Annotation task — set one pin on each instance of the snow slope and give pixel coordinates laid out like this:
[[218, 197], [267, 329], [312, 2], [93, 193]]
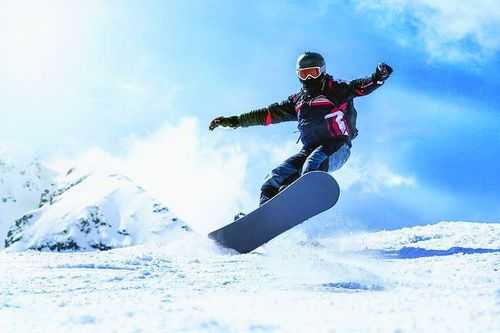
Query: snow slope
[[441, 236], [94, 211], [448, 282], [23, 187]]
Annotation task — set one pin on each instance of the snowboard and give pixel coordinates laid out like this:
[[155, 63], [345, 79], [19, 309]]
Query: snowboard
[[308, 196]]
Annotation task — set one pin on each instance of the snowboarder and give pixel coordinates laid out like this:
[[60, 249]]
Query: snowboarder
[[326, 119]]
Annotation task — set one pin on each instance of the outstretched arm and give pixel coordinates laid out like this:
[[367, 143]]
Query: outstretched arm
[[272, 114], [363, 87]]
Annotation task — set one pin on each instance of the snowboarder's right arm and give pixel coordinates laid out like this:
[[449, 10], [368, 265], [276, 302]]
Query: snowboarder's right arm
[[272, 114]]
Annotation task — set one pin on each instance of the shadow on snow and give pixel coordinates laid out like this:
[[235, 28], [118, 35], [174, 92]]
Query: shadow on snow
[[345, 287], [417, 252], [348, 285]]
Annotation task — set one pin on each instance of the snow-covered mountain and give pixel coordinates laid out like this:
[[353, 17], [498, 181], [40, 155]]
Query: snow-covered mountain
[[24, 186], [94, 211]]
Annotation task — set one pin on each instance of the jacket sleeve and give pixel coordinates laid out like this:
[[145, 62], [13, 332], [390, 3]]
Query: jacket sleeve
[[365, 86], [272, 114], [358, 87]]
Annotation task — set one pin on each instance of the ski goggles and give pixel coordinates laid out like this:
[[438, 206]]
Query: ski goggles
[[310, 72]]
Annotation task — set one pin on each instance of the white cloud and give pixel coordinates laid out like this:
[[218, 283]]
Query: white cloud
[[450, 31], [371, 176]]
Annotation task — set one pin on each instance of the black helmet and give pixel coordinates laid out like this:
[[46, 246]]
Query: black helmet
[[311, 59], [310, 76], [310, 67]]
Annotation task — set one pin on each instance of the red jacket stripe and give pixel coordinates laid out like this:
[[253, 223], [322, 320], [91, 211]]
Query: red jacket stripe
[[321, 103], [269, 118]]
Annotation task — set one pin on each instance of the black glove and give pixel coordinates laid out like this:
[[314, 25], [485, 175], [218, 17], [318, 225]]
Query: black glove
[[383, 72], [233, 122]]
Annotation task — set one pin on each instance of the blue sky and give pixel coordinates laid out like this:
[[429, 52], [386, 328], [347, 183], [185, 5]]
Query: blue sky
[[106, 75]]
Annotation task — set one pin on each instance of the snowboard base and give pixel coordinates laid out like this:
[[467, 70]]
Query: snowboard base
[[311, 194]]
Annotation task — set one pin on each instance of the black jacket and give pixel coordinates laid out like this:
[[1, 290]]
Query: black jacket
[[327, 115]]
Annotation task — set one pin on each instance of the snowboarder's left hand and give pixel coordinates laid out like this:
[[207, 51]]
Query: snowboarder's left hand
[[224, 122], [383, 72]]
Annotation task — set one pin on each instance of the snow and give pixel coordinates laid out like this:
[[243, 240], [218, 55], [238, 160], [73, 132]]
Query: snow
[[349, 283], [441, 236]]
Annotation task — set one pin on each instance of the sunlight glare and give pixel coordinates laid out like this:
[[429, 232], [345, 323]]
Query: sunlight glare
[[41, 40]]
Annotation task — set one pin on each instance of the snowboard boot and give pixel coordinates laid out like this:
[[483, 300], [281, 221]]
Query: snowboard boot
[[267, 193], [239, 216]]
